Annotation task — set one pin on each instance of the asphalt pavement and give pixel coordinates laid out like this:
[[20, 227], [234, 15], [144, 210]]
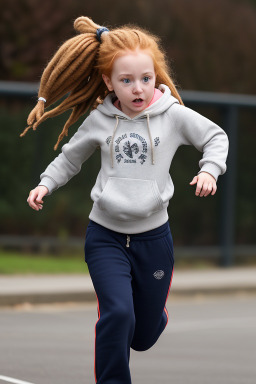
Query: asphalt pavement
[[38, 289], [207, 340]]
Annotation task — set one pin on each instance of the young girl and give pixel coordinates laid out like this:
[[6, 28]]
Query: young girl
[[138, 120]]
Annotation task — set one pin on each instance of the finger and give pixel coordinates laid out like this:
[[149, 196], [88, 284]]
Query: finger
[[31, 200], [214, 189], [198, 188], [194, 180], [40, 195], [204, 189], [39, 199], [34, 206], [208, 190], [207, 187]]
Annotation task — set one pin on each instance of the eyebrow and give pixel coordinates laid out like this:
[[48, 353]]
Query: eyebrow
[[129, 74]]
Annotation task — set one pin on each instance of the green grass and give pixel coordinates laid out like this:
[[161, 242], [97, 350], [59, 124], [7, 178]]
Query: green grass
[[36, 263], [20, 263]]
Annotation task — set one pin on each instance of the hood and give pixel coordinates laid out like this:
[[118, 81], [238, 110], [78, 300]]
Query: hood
[[159, 106]]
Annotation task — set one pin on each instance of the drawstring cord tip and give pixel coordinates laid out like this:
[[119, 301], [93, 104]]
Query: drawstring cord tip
[[128, 239]]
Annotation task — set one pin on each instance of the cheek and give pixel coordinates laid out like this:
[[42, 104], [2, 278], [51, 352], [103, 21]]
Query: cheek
[[151, 89], [123, 93]]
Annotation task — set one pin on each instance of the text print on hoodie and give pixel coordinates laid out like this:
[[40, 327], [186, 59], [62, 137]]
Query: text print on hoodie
[[133, 188]]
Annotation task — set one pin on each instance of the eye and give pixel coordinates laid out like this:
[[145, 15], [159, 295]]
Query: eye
[[125, 81], [146, 79]]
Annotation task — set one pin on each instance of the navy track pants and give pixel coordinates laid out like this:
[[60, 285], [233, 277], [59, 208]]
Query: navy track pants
[[132, 276]]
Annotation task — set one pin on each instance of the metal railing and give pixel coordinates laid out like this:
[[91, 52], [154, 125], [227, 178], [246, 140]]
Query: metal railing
[[229, 105]]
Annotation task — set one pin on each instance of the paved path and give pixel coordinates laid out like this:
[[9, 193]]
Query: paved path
[[207, 340], [15, 289]]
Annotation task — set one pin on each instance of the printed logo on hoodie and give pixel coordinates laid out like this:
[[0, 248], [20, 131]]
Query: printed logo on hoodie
[[131, 148]]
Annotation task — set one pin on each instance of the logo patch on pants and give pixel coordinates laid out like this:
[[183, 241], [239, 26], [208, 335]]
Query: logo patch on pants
[[158, 274]]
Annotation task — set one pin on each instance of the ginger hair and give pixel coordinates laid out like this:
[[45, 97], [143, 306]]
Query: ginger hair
[[76, 69]]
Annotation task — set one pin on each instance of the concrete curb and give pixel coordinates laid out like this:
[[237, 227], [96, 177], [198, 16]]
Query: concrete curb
[[49, 298], [87, 297], [46, 289]]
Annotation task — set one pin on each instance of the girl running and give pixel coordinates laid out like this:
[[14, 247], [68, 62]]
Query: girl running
[[138, 120]]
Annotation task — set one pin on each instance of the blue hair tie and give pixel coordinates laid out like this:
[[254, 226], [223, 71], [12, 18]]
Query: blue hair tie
[[100, 31]]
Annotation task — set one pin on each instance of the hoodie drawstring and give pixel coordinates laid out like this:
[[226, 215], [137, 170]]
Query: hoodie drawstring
[[112, 141], [151, 142]]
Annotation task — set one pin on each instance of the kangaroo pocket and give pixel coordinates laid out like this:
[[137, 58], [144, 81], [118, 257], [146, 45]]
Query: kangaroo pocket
[[130, 199]]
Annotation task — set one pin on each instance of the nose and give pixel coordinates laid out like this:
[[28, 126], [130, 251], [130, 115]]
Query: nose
[[137, 87]]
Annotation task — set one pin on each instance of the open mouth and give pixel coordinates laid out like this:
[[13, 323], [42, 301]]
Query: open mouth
[[137, 101]]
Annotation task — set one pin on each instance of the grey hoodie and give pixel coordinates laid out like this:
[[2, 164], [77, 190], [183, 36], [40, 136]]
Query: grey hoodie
[[133, 187]]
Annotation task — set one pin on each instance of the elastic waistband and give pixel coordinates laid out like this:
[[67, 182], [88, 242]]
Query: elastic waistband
[[156, 232]]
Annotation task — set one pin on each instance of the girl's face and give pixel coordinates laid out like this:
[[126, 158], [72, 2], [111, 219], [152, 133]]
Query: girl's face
[[133, 80]]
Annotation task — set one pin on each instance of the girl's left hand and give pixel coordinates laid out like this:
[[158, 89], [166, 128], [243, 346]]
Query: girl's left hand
[[206, 184]]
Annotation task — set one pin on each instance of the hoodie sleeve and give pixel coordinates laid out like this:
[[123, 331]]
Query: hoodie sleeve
[[194, 129], [68, 163]]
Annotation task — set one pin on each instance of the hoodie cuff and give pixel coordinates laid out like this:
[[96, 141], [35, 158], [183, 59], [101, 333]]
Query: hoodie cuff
[[48, 183], [211, 168]]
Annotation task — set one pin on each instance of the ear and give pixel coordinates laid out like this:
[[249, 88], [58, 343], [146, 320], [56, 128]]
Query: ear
[[108, 82]]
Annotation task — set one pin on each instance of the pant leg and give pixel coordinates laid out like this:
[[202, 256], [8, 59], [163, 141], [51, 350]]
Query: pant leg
[[152, 269], [110, 271]]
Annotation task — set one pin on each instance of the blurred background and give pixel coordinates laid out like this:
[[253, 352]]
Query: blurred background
[[211, 51], [210, 337]]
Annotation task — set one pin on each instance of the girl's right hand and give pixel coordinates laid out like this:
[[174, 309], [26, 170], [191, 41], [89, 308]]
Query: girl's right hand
[[35, 197]]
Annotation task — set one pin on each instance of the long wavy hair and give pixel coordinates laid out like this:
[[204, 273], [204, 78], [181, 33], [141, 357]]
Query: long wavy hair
[[76, 69]]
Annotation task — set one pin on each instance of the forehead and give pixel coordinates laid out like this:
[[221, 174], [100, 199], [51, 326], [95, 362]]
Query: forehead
[[133, 61]]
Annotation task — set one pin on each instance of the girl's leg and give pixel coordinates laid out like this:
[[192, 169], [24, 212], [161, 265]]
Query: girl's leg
[[110, 271], [152, 270]]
